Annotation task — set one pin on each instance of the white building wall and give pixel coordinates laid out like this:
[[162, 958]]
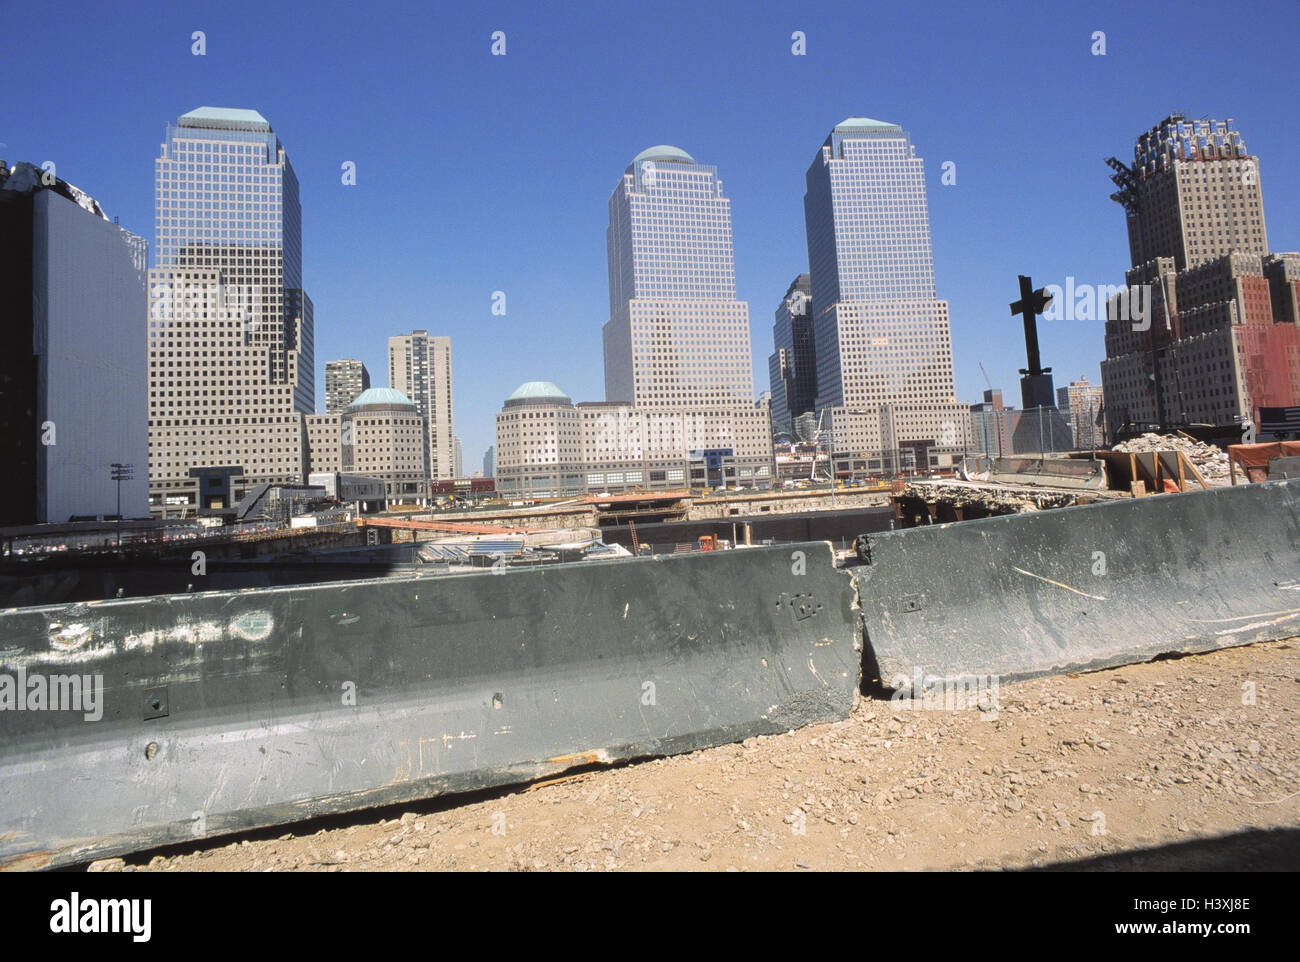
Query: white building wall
[[91, 337]]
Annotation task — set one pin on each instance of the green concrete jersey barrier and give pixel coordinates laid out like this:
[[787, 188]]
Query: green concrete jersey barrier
[[1082, 588], [223, 711]]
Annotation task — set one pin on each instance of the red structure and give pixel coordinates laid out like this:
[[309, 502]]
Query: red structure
[[473, 487]]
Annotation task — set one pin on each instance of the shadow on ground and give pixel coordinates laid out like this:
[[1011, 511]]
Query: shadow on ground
[[1254, 850]]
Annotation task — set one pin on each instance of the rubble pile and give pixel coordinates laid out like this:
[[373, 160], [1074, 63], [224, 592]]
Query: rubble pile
[[1210, 460]]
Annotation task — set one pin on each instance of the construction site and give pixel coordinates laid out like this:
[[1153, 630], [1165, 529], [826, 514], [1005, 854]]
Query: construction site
[[991, 650]]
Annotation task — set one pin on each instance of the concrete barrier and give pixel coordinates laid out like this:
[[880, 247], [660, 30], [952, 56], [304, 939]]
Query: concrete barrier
[[1082, 588], [226, 711]]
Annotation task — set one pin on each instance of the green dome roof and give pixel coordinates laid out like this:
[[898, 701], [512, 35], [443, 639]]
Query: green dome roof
[[538, 391], [664, 152], [385, 396]]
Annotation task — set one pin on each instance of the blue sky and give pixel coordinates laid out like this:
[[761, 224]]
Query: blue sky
[[479, 173]]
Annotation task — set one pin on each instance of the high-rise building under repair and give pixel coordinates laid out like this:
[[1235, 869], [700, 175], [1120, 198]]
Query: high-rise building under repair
[[420, 367], [1220, 340], [231, 365], [677, 339], [885, 392]]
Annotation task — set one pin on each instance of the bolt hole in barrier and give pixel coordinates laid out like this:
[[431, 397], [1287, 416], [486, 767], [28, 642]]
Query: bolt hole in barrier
[[195, 715], [1082, 588]]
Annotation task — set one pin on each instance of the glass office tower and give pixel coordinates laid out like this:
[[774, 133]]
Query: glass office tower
[[230, 329], [677, 340], [884, 357], [676, 336]]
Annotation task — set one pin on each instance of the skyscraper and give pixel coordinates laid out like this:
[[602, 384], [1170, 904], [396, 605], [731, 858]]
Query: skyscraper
[[344, 382], [1192, 194], [792, 367], [677, 339], [676, 336], [420, 367], [1221, 339], [883, 348], [231, 366]]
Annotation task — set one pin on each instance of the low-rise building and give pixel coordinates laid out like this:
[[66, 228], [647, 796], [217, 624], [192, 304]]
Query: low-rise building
[[381, 435], [549, 447]]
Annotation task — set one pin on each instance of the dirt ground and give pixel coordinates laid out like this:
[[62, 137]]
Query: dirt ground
[[1181, 763]]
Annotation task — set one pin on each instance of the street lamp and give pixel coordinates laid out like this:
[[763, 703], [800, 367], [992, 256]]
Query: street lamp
[[121, 472]]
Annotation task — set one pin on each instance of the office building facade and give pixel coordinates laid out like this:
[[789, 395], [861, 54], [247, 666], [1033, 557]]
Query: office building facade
[[993, 425], [1083, 408], [1221, 340], [792, 366], [73, 377], [885, 394], [547, 446], [677, 339], [231, 350], [382, 436]]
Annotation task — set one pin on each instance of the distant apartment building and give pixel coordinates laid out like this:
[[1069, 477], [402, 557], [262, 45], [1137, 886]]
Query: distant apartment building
[[231, 350], [344, 382], [1081, 405], [885, 395], [459, 458], [73, 377], [1222, 339], [677, 339], [382, 436], [420, 367], [490, 462], [993, 425], [549, 447], [792, 366]]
